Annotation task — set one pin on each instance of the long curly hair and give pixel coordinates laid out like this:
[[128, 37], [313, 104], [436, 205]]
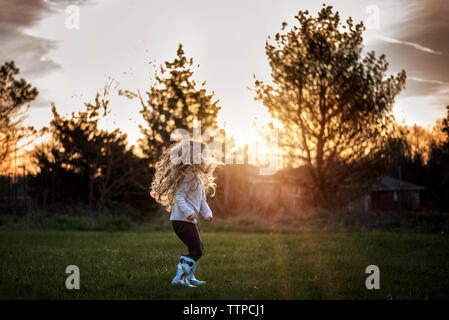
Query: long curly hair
[[187, 157]]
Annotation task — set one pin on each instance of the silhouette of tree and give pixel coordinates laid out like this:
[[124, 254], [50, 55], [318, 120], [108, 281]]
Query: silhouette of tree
[[86, 163], [438, 169], [437, 176], [334, 105], [445, 131], [174, 101], [13, 95]]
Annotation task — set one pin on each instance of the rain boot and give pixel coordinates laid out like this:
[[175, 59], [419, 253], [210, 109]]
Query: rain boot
[[191, 276], [185, 265]]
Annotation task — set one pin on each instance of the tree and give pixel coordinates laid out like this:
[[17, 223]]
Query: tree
[[88, 164], [13, 95], [174, 101], [445, 131], [438, 168], [419, 140], [334, 105]]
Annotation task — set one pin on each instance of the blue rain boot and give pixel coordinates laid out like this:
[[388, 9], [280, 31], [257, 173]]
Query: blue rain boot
[[191, 276], [185, 265]]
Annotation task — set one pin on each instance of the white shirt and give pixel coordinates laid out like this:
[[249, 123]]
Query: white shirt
[[190, 199]]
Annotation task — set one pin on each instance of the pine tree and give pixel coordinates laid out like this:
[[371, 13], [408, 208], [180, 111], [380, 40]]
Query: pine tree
[[174, 101]]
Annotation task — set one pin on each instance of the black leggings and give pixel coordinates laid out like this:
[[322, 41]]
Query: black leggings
[[188, 233]]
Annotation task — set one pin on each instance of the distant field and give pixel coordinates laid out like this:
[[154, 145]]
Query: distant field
[[141, 264]]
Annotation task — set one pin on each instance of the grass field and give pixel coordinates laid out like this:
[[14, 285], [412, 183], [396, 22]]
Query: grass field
[[141, 264]]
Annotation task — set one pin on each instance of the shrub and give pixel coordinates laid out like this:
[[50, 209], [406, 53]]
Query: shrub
[[6, 219], [65, 222], [119, 223]]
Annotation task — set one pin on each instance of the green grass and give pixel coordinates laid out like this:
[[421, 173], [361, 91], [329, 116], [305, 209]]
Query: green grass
[[141, 264]]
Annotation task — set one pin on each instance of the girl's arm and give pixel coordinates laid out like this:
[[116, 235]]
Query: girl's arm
[[205, 210]]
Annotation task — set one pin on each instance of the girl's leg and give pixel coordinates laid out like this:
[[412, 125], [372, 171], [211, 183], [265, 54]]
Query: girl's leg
[[188, 233]]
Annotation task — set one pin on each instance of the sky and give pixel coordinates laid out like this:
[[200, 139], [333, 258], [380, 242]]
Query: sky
[[117, 39]]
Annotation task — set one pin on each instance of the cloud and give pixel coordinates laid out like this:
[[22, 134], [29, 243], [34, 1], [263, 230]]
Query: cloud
[[417, 40], [28, 51], [428, 81], [408, 43], [427, 24], [19, 14], [424, 26]]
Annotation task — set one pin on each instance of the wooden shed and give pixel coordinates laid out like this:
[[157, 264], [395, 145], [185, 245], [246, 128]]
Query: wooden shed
[[392, 194]]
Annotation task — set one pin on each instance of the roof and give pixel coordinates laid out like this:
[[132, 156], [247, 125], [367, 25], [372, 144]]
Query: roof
[[291, 176], [391, 184]]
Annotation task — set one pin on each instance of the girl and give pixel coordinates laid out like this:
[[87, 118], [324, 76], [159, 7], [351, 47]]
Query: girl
[[183, 177]]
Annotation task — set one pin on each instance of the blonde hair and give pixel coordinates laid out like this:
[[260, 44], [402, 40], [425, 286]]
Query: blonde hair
[[178, 161]]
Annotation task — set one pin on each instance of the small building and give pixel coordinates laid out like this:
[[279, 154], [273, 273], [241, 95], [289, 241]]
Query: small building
[[283, 190], [393, 194]]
